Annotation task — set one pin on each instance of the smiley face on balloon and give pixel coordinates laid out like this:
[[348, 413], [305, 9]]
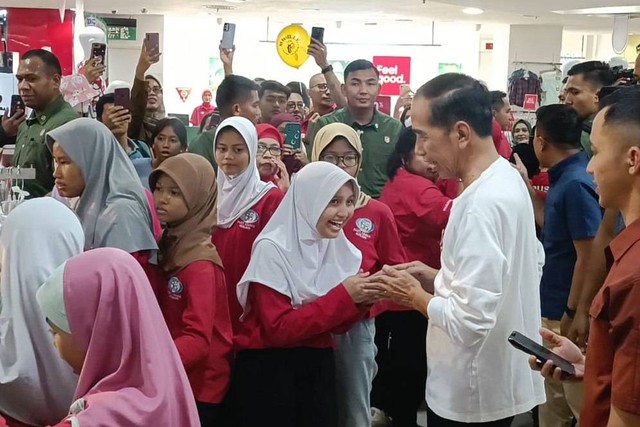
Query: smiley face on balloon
[[292, 45]]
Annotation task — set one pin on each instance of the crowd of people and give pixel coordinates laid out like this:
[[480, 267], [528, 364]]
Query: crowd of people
[[237, 280]]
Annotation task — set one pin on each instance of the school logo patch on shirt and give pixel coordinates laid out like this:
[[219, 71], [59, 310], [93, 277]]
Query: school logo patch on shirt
[[364, 228], [175, 288], [249, 219]]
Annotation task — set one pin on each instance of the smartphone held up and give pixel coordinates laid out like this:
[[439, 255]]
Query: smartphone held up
[[152, 43], [317, 33], [16, 104], [99, 53], [228, 36], [293, 135]]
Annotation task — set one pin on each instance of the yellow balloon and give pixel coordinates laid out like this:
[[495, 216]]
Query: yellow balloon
[[292, 45]]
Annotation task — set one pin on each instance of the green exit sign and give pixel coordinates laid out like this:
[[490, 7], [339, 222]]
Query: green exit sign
[[121, 33]]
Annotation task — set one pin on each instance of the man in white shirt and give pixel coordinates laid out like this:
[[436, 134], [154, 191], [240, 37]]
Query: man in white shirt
[[488, 285]]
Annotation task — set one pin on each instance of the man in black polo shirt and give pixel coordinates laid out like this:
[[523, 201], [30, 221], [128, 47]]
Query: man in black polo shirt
[[378, 131]]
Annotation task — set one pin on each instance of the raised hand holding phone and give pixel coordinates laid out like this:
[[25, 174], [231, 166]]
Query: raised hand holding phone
[[14, 117], [149, 55]]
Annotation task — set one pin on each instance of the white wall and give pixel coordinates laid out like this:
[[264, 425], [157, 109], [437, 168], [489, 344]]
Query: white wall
[[534, 43], [190, 41], [494, 64]]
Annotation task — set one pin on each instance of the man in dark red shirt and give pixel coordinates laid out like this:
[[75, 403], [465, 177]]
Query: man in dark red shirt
[[611, 367]]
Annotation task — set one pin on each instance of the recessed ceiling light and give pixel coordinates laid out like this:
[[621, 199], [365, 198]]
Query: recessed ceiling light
[[472, 11]]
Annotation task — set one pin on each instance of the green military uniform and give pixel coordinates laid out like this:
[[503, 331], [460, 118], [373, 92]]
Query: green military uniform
[[585, 138], [378, 138], [31, 150], [203, 145]]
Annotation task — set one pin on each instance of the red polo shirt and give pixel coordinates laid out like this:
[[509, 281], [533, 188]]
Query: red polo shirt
[[540, 183], [612, 372], [373, 230], [421, 212], [500, 141], [194, 305], [234, 245], [272, 322]]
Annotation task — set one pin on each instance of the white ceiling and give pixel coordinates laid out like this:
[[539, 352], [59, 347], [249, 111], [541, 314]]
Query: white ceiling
[[533, 12]]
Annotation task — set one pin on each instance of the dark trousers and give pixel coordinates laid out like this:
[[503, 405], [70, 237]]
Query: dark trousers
[[434, 420], [285, 388], [210, 414], [399, 386]]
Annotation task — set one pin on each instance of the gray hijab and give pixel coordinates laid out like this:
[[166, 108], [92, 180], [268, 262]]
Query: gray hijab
[[113, 209]]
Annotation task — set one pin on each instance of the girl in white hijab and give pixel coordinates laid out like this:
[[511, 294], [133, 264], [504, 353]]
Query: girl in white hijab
[[36, 386], [112, 206], [245, 203], [302, 284]]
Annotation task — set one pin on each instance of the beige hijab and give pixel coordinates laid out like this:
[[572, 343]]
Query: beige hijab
[[327, 135], [190, 240]]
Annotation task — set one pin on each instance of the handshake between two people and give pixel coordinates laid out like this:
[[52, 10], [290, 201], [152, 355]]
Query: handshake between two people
[[409, 285]]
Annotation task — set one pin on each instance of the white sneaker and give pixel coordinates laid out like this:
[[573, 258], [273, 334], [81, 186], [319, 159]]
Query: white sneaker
[[379, 418]]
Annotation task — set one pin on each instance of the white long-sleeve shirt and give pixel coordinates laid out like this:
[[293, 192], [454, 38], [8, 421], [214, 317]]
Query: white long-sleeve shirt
[[488, 286]]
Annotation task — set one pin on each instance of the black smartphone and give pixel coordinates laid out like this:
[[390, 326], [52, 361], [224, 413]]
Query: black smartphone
[[99, 51], [317, 33], [228, 35], [292, 135], [532, 348], [122, 97], [16, 104], [152, 41]]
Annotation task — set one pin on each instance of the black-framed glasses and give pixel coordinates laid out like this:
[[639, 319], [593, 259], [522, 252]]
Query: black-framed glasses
[[155, 89], [322, 87], [292, 106], [274, 151], [348, 160]]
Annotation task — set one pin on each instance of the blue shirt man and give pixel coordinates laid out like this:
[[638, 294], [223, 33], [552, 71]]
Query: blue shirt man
[[572, 213]]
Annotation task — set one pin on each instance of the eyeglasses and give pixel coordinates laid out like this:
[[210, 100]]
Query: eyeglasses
[[348, 160], [276, 100], [322, 87], [155, 89], [274, 151], [292, 106]]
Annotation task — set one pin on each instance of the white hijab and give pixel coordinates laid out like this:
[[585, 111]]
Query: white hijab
[[289, 255], [237, 194], [36, 385]]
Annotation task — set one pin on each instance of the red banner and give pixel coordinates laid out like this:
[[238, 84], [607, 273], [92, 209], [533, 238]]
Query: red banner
[[394, 72], [37, 28], [384, 104]]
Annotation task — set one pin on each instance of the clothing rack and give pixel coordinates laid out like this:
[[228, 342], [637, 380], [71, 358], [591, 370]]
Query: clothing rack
[[537, 63]]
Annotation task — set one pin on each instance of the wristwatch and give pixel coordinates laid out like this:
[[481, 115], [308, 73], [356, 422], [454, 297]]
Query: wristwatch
[[570, 313], [326, 69]]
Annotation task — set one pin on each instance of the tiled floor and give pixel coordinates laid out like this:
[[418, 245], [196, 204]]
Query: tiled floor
[[520, 421]]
